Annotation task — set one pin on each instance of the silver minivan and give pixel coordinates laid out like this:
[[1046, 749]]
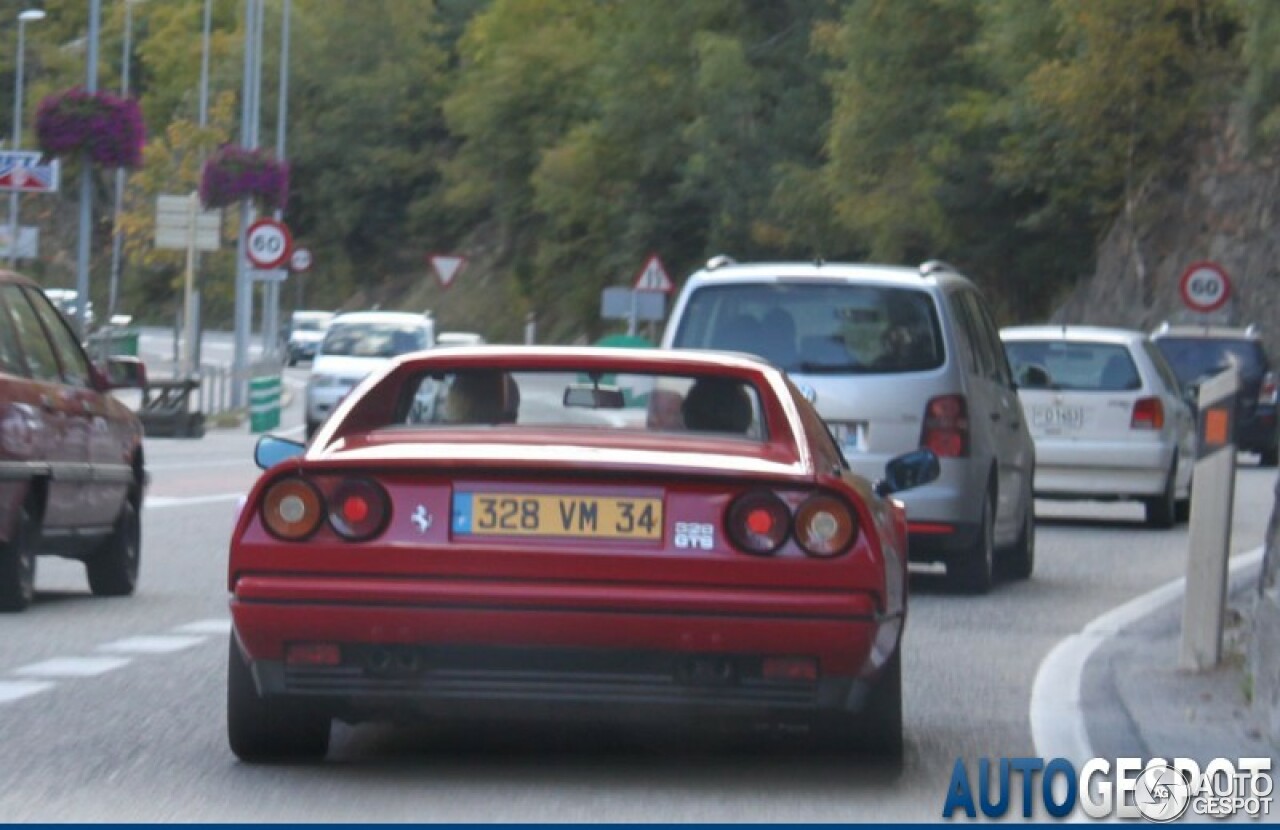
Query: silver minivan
[[894, 358]]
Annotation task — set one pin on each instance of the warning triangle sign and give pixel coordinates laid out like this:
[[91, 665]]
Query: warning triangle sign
[[653, 277], [447, 267]]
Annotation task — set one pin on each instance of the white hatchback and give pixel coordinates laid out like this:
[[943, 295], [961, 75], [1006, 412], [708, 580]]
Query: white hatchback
[[1107, 415], [355, 345]]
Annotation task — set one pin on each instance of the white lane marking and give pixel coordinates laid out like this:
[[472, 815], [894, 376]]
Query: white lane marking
[[220, 626], [11, 690], [72, 667], [1058, 727], [151, 644], [188, 501]]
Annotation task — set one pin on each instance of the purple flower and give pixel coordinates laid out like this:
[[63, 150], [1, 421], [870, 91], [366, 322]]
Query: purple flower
[[104, 127], [233, 173]]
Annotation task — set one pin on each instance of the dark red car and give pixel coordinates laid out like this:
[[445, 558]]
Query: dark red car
[[71, 468], [624, 534]]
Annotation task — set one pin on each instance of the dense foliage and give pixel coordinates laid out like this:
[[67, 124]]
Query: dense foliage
[[557, 142]]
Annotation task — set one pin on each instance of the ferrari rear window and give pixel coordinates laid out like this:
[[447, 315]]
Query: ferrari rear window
[[711, 404]]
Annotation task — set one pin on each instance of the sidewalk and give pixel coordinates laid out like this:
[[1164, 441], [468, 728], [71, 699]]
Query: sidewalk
[[1138, 703]]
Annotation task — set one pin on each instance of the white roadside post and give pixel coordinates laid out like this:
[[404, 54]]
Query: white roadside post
[[182, 226], [1210, 533]]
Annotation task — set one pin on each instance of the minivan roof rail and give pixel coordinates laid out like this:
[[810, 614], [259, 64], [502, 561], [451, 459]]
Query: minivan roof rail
[[720, 261], [933, 266]]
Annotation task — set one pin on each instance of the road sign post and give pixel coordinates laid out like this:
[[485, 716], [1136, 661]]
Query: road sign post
[[180, 224], [653, 278]]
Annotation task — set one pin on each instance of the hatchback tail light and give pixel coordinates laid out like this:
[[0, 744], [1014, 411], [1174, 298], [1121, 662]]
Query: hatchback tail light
[[1270, 391], [758, 522], [358, 508], [1148, 413], [946, 426], [292, 509]]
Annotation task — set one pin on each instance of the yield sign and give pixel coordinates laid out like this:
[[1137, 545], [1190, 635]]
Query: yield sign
[[653, 277], [447, 267]]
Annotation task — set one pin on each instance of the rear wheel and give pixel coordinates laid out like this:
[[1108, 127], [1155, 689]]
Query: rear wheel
[[113, 567], [877, 729], [1020, 560], [971, 570], [1162, 511], [18, 565], [261, 729]]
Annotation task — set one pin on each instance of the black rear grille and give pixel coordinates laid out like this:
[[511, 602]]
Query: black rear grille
[[548, 675]]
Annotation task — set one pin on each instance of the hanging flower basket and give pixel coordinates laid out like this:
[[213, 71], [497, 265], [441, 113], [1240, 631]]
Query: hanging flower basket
[[102, 127], [233, 173]]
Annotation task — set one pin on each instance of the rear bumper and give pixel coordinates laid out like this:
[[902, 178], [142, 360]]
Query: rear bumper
[[441, 647], [1259, 433], [1079, 469]]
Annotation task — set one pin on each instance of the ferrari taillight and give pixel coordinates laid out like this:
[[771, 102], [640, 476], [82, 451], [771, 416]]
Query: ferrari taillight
[[292, 509], [824, 526], [758, 522], [358, 508]]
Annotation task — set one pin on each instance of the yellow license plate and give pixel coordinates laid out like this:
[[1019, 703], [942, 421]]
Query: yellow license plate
[[586, 517]]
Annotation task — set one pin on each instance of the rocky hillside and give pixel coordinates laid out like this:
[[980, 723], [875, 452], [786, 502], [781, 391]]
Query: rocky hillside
[[1226, 210]]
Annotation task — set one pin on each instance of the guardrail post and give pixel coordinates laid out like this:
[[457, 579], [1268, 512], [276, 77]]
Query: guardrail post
[[1205, 599]]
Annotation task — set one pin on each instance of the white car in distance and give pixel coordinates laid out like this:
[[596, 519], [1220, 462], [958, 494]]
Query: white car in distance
[[355, 345], [1107, 416]]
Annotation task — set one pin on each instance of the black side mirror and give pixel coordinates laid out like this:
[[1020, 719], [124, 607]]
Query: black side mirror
[[124, 372], [913, 469], [271, 450]]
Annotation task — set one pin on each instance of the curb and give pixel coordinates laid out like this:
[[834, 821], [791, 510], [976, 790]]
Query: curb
[[1058, 727]]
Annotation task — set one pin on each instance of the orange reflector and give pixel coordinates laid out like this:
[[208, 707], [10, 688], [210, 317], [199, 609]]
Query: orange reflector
[[1216, 422], [789, 668], [312, 654]]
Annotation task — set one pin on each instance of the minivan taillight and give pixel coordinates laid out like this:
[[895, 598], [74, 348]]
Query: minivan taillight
[[946, 426], [1148, 413], [1270, 391]]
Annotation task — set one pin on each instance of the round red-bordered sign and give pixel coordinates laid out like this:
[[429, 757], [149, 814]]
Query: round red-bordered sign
[[268, 244], [1204, 287]]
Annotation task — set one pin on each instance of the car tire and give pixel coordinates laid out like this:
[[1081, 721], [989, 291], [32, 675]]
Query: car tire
[[113, 567], [1162, 511], [1019, 561], [971, 571], [1269, 458], [293, 361], [260, 729], [875, 730], [18, 565]]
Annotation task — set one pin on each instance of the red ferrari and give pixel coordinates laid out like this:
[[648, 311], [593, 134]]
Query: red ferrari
[[568, 532]]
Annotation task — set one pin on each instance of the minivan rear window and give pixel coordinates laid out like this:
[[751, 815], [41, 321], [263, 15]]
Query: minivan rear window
[[1194, 358], [827, 328], [1089, 367]]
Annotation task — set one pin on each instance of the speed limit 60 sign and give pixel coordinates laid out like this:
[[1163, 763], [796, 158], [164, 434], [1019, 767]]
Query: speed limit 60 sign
[[1205, 287], [268, 243]]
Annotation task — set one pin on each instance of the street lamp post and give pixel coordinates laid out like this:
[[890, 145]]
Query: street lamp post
[[85, 235], [25, 17], [117, 238]]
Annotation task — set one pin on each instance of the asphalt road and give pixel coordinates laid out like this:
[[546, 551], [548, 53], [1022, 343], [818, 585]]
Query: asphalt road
[[113, 710]]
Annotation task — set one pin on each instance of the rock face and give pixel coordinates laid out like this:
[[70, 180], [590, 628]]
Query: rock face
[[1227, 210]]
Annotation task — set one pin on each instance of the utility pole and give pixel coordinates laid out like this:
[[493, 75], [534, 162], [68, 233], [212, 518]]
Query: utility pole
[[86, 179], [248, 140], [271, 326], [117, 238]]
